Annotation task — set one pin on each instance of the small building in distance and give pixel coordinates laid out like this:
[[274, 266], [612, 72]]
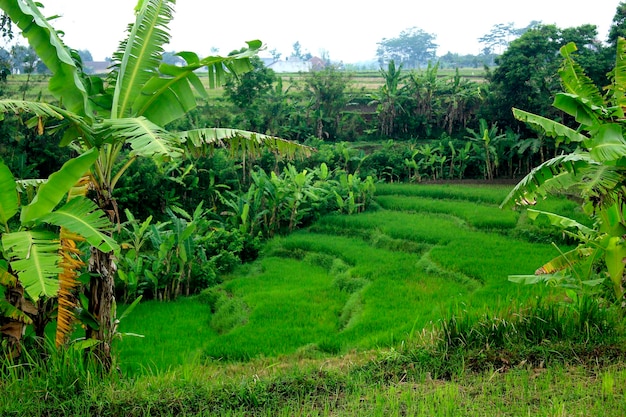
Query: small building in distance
[[294, 64], [97, 67]]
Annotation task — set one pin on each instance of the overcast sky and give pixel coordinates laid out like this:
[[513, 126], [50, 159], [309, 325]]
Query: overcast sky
[[347, 29]]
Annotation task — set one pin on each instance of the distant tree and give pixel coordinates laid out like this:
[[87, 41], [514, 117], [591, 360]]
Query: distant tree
[[388, 98], [5, 60], [527, 75], [297, 49], [299, 53], [325, 90], [499, 38], [501, 35], [246, 88], [412, 48], [85, 55], [325, 56], [24, 59], [618, 27], [275, 54], [247, 92], [451, 60]]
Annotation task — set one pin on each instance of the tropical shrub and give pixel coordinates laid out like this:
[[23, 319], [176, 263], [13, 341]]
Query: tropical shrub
[[127, 110], [281, 203], [180, 256]]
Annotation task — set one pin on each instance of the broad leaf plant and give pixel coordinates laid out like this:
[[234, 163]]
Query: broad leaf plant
[[127, 110], [39, 256], [595, 172]]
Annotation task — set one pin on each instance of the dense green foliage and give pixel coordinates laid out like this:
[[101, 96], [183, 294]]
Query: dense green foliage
[[314, 259], [111, 123], [189, 249]]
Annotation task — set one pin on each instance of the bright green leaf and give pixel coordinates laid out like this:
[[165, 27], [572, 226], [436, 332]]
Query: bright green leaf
[[9, 203], [52, 192]]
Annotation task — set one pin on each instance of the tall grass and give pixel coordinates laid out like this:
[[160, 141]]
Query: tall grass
[[384, 383]]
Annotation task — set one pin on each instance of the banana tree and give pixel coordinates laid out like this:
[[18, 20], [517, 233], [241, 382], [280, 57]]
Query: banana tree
[[485, 142], [128, 110], [596, 170], [389, 98], [131, 263], [39, 258]]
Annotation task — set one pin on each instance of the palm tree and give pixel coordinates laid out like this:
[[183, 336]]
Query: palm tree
[[128, 110]]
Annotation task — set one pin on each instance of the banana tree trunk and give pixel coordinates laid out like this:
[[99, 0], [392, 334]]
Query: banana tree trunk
[[101, 296], [13, 330], [101, 292]]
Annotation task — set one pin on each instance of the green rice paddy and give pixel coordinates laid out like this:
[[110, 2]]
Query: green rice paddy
[[366, 281]]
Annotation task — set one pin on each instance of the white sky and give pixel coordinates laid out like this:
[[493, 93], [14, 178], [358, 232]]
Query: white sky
[[347, 29]]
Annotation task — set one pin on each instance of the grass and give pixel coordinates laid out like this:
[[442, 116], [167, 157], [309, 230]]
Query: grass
[[362, 282], [173, 333], [383, 383], [482, 216], [405, 310], [491, 194]]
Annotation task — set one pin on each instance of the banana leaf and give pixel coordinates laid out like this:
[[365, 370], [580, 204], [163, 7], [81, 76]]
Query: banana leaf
[[550, 127], [34, 258], [140, 54], [576, 82], [50, 194], [144, 137], [558, 173], [65, 83], [560, 221], [204, 141], [171, 93], [9, 202], [83, 217]]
